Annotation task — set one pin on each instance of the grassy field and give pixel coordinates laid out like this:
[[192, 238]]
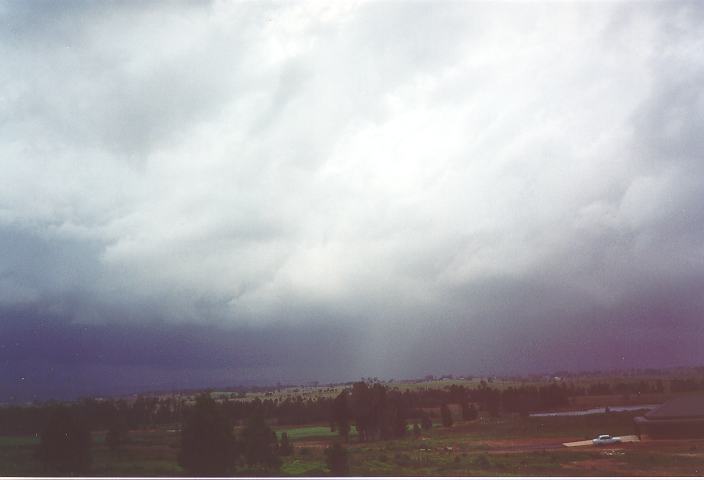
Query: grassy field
[[506, 446], [308, 432], [6, 442]]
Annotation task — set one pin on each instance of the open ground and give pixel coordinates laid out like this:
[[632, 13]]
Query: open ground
[[505, 446]]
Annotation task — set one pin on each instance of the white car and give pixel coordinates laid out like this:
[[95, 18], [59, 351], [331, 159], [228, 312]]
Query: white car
[[606, 440]]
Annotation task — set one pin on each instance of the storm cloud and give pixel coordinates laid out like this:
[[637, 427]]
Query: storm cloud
[[203, 193]]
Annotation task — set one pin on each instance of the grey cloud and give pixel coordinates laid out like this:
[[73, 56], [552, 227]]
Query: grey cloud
[[426, 186]]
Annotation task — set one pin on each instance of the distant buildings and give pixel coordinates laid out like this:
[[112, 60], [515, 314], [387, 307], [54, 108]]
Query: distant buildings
[[679, 417]]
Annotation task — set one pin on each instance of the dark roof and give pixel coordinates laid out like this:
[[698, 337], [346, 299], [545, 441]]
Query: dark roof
[[678, 407]]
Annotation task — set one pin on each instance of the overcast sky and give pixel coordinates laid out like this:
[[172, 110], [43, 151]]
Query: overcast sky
[[208, 193]]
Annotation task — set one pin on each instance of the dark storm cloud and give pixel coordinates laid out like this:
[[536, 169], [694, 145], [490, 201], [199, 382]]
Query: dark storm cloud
[[40, 349], [201, 190], [37, 335]]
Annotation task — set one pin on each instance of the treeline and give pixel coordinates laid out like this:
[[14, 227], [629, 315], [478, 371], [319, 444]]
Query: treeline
[[686, 385], [379, 413], [146, 412], [289, 411], [96, 414], [209, 445], [676, 385], [619, 388]]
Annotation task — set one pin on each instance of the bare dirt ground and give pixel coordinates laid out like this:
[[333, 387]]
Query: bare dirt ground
[[612, 459]]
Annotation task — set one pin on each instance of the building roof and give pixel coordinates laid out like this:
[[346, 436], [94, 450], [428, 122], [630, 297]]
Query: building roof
[[679, 407]]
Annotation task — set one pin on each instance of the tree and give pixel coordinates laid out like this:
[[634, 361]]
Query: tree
[[285, 446], [336, 459], [523, 407], [425, 422], [400, 426], [116, 436], [469, 412], [341, 414], [494, 408], [492, 400], [117, 429], [64, 447], [362, 407], [446, 415], [259, 444], [207, 443], [376, 413]]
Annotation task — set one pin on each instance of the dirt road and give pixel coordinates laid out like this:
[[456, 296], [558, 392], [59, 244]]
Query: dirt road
[[588, 443]]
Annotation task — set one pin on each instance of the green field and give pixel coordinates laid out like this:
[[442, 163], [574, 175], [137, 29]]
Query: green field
[[311, 431], [6, 441]]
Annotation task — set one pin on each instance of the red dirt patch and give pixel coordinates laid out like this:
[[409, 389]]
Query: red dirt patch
[[521, 442]]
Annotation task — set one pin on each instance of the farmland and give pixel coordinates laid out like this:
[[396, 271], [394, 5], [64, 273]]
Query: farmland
[[500, 438], [504, 446]]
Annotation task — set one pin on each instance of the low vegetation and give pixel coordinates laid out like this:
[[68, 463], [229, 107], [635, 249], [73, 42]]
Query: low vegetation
[[367, 428]]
